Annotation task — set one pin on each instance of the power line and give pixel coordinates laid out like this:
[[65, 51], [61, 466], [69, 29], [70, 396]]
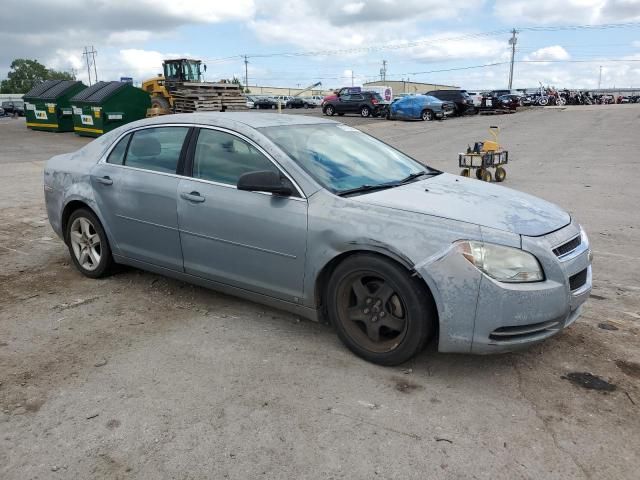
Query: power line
[[602, 26]]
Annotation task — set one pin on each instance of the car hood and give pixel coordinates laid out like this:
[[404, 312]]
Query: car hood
[[473, 201]]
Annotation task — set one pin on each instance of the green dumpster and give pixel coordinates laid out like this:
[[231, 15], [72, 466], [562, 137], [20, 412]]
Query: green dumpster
[[47, 107], [107, 105]]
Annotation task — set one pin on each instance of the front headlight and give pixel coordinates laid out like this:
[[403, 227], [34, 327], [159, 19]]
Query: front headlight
[[505, 264]]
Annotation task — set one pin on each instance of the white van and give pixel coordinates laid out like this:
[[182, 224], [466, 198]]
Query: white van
[[385, 92]]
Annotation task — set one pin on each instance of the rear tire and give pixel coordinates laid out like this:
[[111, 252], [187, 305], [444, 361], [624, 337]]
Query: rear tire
[[426, 115], [88, 244], [365, 111], [465, 172], [380, 312], [500, 175]]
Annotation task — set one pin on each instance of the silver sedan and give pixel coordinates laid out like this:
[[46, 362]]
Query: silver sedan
[[318, 218]]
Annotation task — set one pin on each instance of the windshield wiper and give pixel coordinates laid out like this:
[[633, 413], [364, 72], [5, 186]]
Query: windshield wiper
[[366, 188], [413, 176]]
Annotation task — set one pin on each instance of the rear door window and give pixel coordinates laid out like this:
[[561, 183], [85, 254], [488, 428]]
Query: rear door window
[[157, 149], [117, 154]]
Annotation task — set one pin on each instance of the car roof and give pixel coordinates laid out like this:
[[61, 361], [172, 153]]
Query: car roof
[[235, 119]]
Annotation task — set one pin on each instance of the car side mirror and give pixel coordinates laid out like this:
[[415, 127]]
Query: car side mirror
[[265, 181]]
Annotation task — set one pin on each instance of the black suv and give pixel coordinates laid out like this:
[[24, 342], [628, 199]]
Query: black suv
[[15, 107], [462, 101], [364, 103]]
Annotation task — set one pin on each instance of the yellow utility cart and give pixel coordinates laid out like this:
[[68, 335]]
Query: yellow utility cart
[[483, 156]]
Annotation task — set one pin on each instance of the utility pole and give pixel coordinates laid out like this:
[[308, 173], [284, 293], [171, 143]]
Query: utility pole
[[352, 78], [512, 41], [246, 72], [600, 78], [383, 71], [91, 62]]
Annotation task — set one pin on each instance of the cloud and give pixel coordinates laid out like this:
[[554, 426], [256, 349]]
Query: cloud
[[554, 52], [544, 12]]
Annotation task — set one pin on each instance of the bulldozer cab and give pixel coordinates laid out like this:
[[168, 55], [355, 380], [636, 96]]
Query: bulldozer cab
[[182, 70]]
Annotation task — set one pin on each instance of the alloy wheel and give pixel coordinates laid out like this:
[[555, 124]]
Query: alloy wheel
[[86, 243]]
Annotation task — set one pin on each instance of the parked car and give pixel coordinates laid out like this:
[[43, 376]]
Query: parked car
[[463, 102], [318, 218], [477, 98], [13, 107], [419, 107], [315, 99], [365, 103], [282, 99], [250, 102], [510, 101], [265, 102], [299, 102], [2, 114], [342, 91]]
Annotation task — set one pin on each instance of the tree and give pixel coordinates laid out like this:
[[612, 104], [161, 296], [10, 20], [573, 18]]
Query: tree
[[26, 73]]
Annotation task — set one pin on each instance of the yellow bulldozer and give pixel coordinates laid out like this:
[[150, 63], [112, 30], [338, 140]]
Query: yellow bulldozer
[[181, 89]]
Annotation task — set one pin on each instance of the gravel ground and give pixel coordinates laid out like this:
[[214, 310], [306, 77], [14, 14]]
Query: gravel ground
[[139, 376]]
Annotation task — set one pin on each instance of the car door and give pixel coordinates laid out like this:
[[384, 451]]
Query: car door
[[251, 240], [355, 101], [342, 104], [135, 189]]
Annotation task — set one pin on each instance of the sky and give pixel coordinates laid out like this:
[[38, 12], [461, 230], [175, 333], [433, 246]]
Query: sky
[[296, 43]]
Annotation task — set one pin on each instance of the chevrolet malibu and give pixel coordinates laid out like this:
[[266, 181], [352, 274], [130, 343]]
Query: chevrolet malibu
[[320, 219]]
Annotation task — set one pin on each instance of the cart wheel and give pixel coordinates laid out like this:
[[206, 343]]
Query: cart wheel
[[501, 174], [479, 172], [486, 176], [465, 172]]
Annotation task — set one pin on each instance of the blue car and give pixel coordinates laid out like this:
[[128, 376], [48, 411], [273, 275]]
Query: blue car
[[418, 107]]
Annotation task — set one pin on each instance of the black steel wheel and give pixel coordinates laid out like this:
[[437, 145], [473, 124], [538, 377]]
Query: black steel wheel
[[380, 312], [501, 174], [479, 173], [88, 244]]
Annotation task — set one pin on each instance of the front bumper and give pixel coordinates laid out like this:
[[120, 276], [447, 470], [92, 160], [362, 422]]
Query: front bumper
[[481, 315]]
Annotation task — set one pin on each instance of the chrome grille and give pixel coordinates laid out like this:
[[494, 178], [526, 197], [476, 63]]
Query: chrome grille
[[568, 247]]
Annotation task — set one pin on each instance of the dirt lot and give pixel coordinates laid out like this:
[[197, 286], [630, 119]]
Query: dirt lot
[[138, 376]]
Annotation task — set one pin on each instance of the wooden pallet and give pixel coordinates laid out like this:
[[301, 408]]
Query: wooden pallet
[[212, 97]]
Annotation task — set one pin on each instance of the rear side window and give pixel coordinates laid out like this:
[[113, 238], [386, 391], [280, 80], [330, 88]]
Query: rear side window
[[156, 149], [222, 157], [117, 154]]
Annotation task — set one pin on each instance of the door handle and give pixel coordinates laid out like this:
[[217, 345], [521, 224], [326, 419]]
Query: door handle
[[192, 197], [106, 180]]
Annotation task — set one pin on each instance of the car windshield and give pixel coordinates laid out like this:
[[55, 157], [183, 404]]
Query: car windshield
[[342, 158]]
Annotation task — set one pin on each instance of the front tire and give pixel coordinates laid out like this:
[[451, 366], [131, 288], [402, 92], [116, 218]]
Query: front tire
[[329, 110], [160, 102], [88, 244], [380, 312]]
